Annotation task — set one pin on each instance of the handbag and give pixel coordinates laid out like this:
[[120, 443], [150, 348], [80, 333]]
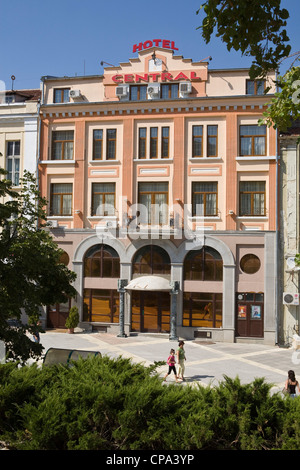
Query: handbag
[[286, 391]]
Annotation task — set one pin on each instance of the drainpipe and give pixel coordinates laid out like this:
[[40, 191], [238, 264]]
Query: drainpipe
[[39, 140], [277, 239]]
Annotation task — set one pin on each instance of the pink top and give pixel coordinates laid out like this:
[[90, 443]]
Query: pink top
[[171, 360]]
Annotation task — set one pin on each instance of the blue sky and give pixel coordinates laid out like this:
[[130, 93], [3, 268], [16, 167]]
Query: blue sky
[[70, 37]]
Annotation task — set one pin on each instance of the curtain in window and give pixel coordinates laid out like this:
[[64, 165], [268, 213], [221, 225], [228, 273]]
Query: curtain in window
[[62, 199], [161, 209], [259, 145], [103, 199]]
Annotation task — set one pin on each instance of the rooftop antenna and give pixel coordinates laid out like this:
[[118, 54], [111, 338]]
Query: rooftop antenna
[[12, 81]]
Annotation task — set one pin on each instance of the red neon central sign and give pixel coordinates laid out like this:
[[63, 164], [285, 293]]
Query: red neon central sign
[[164, 43], [154, 77]]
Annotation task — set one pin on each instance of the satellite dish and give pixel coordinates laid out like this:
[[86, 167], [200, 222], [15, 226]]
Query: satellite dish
[[291, 262]]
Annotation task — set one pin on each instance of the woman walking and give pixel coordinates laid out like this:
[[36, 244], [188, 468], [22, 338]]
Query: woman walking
[[180, 359]]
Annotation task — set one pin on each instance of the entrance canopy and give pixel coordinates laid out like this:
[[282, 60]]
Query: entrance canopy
[[156, 283]]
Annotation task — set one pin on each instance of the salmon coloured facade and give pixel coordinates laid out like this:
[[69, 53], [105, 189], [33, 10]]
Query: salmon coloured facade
[[162, 194]]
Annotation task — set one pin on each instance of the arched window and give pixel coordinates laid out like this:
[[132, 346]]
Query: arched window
[[101, 261], [151, 259], [203, 265]]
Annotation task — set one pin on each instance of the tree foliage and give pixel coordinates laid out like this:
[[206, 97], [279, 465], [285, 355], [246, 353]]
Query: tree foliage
[[111, 404], [31, 275], [284, 108], [258, 29], [255, 28]]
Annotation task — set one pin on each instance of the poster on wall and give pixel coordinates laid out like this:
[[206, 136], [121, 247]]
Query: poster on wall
[[255, 312], [242, 309]]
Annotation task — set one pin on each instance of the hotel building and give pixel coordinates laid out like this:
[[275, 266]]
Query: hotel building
[[162, 194]]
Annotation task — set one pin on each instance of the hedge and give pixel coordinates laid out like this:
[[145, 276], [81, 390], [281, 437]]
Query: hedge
[[112, 404]]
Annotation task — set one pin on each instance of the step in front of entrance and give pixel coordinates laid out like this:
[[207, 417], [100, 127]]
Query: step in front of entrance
[[249, 340]]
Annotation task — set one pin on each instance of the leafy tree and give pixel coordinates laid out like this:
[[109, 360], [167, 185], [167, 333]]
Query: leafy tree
[[31, 275], [257, 29], [284, 107]]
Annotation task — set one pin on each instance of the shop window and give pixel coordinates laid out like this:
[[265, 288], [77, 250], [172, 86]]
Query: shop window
[[203, 265], [101, 305], [252, 198], [151, 260], [101, 261], [202, 310], [250, 264]]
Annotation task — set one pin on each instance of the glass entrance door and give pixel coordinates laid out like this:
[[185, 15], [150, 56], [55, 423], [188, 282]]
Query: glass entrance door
[[150, 311]]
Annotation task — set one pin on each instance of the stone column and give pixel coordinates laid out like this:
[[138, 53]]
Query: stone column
[[122, 283], [173, 319]]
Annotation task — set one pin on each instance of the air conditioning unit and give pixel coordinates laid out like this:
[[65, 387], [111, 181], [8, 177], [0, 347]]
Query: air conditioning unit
[[75, 93], [290, 298], [153, 89], [122, 90], [185, 87], [53, 223]]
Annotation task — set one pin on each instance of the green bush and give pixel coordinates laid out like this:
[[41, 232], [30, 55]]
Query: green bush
[[113, 404]]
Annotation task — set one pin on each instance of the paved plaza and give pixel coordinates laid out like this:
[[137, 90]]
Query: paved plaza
[[206, 363]]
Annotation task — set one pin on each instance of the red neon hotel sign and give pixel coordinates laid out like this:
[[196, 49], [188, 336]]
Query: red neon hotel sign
[[164, 43], [154, 76]]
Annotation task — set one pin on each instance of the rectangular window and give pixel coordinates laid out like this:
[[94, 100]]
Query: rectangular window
[[204, 199], [61, 199], [111, 144], [101, 305], [202, 310], [212, 141], [197, 144], [62, 145], [103, 199], [165, 132], [255, 87], [142, 142], [97, 144], [169, 91], [61, 95], [153, 142], [252, 198], [252, 140], [13, 161], [154, 199], [138, 92]]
